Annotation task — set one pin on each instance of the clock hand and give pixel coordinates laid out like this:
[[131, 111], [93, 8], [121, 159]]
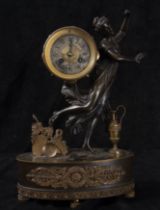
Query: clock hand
[[70, 47]]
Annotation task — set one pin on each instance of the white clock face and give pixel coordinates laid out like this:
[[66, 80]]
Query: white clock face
[[70, 54]]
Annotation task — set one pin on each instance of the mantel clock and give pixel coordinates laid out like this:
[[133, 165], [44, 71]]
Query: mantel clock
[[54, 171]]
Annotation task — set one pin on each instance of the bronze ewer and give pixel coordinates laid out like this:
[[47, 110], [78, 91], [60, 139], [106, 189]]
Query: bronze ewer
[[115, 127]]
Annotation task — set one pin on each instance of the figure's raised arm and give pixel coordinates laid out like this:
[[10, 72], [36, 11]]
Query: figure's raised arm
[[114, 52], [124, 26], [118, 57]]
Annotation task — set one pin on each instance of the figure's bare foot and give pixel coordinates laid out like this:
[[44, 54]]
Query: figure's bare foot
[[87, 146]]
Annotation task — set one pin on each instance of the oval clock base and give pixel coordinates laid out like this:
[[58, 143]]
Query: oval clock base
[[79, 175]]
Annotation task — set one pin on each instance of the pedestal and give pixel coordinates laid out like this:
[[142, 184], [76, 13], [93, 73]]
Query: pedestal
[[79, 175]]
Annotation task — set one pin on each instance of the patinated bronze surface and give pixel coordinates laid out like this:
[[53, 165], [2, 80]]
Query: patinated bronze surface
[[115, 127], [92, 106], [78, 175], [53, 170], [44, 143]]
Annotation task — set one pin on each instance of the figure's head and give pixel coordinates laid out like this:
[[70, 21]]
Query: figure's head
[[102, 23]]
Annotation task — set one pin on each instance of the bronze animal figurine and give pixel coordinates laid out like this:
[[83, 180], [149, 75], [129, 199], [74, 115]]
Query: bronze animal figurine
[[40, 136], [44, 143]]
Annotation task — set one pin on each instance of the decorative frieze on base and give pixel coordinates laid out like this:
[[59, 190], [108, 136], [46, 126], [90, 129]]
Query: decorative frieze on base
[[25, 192]]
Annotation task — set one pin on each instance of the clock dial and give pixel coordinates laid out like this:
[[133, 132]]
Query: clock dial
[[70, 54]]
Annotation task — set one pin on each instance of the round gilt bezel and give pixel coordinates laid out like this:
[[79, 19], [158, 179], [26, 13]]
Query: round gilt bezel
[[70, 30]]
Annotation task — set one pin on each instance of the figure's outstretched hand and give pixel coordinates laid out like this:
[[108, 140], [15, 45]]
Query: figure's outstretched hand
[[127, 12], [138, 58]]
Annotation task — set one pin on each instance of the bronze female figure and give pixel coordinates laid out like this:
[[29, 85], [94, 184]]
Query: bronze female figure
[[90, 107]]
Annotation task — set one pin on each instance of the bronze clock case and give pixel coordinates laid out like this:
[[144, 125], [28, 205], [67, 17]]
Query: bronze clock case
[[88, 47]]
